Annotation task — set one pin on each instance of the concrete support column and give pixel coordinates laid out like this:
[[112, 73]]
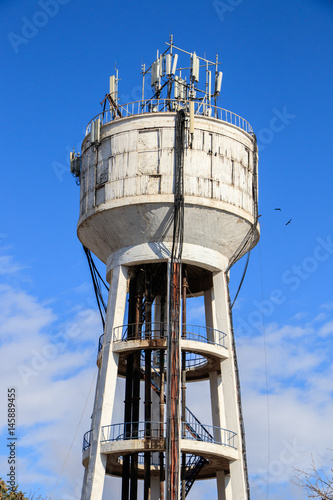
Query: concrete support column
[[216, 392], [224, 397], [221, 485], [105, 392]]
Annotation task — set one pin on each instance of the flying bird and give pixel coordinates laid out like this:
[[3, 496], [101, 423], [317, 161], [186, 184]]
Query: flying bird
[[289, 221], [277, 209]]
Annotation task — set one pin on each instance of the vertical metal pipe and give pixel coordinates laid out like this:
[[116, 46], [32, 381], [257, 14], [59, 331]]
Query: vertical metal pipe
[[183, 354], [143, 83], [162, 404], [162, 389], [173, 384]]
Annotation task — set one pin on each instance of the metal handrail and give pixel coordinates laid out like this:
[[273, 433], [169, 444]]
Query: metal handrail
[[192, 419], [87, 440], [194, 360], [140, 331], [208, 434], [131, 430], [212, 336], [139, 430], [100, 342], [151, 331], [171, 105]]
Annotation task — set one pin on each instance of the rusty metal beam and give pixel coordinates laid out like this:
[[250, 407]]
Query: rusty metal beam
[[183, 388], [173, 384], [162, 385], [162, 405]]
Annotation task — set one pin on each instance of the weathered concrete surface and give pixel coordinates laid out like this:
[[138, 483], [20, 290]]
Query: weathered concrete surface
[[127, 185]]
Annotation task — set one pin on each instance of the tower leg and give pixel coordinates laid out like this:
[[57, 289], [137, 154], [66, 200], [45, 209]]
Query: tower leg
[[221, 485], [224, 390], [94, 479]]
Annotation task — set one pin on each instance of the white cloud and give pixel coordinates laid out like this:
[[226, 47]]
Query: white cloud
[[326, 329], [51, 364], [327, 306], [300, 315], [21, 314], [320, 317], [8, 266], [293, 421]]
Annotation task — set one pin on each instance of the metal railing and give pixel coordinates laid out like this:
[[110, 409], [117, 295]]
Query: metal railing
[[192, 428], [141, 430], [192, 422], [204, 334], [140, 331], [152, 331], [131, 430], [87, 440], [194, 360], [100, 342], [208, 434], [171, 105]]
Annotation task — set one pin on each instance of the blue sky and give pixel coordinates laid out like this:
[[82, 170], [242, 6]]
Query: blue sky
[[277, 63]]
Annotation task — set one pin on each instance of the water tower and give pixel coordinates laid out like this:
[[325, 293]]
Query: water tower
[[169, 204]]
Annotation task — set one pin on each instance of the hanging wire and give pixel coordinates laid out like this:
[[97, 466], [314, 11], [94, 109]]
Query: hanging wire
[[97, 282], [266, 376], [250, 235], [239, 399], [243, 276]]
